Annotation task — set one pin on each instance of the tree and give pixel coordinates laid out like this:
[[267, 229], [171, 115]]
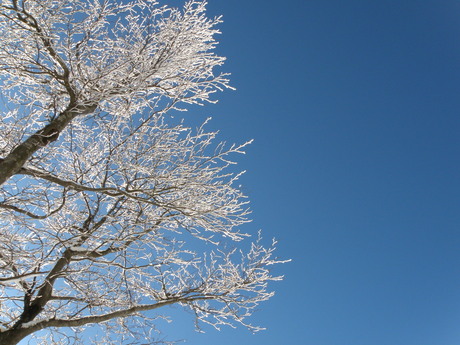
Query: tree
[[103, 195]]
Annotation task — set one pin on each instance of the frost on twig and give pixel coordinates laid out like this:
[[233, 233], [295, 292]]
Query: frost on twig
[[104, 202]]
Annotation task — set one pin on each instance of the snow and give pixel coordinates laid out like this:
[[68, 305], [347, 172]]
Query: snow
[[78, 249], [31, 323]]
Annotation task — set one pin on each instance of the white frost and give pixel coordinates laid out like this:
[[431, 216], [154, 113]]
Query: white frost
[[78, 249], [31, 323]]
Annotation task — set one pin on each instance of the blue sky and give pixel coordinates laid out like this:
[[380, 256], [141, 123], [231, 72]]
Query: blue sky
[[354, 108]]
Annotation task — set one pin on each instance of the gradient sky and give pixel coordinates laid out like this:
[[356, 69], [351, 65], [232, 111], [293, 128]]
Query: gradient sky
[[354, 108]]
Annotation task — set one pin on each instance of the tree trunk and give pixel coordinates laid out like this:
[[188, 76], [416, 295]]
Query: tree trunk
[[14, 336]]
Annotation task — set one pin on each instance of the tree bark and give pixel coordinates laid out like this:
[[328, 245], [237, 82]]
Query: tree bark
[[14, 336], [21, 154]]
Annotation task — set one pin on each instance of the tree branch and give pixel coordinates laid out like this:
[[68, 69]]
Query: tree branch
[[109, 316], [16, 159], [21, 276], [110, 191]]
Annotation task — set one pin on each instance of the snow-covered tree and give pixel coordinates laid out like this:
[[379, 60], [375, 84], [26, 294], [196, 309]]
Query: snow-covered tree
[[104, 199]]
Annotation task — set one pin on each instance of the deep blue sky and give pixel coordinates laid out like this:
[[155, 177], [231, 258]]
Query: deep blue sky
[[354, 108]]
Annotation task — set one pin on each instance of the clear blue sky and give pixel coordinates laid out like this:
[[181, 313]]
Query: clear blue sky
[[354, 108]]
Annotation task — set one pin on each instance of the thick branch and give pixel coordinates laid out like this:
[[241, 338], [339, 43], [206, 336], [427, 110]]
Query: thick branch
[[13, 336], [19, 156], [32, 309], [109, 316]]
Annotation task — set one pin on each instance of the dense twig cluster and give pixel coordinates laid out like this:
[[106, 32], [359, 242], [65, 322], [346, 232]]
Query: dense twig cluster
[[100, 197]]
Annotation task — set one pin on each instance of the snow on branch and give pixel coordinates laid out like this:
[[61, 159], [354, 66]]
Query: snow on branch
[[109, 207]]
